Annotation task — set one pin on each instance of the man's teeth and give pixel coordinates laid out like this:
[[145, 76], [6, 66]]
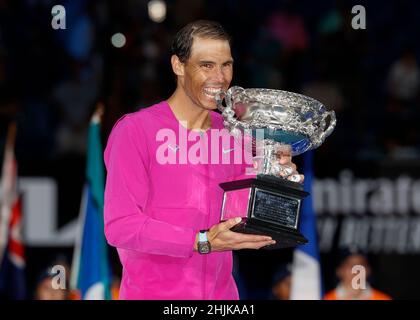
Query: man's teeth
[[212, 91]]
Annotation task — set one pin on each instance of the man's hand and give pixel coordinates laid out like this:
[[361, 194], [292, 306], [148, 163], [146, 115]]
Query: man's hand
[[222, 239], [220, 236], [285, 159]]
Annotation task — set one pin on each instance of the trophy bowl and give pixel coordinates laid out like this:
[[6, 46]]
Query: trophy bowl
[[270, 121]]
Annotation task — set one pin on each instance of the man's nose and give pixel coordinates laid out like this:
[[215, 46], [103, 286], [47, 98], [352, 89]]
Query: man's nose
[[219, 75]]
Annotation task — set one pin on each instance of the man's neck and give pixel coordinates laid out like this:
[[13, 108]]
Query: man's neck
[[347, 291], [184, 110]]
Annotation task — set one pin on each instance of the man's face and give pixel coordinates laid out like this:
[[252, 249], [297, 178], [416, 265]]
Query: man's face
[[208, 71], [282, 289], [345, 273], [45, 291]]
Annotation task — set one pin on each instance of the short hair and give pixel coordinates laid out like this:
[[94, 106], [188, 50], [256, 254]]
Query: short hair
[[183, 40]]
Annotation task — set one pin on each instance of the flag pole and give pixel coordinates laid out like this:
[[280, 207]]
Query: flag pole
[[75, 267], [79, 247], [98, 113], [11, 135], [8, 184]]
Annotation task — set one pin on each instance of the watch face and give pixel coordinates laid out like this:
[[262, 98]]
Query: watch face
[[204, 247]]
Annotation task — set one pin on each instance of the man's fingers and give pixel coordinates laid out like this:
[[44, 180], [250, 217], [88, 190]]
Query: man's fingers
[[296, 178], [284, 150], [255, 245], [285, 154], [286, 159], [229, 223], [242, 237], [286, 171]]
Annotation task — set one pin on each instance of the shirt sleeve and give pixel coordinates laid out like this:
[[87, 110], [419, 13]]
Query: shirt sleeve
[[127, 225]]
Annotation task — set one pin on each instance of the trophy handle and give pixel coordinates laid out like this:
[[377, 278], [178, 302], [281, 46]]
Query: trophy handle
[[228, 112], [219, 100], [228, 96], [331, 125]]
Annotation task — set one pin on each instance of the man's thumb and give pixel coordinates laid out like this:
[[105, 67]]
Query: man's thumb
[[232, 222]]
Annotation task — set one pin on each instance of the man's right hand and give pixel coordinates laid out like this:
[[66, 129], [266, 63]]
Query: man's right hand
[[222, 238]]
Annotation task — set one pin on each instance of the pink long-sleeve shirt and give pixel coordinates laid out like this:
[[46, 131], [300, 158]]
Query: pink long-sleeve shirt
[[153, 210]]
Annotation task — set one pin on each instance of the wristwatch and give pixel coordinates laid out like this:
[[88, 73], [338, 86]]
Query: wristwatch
[[203, 243]]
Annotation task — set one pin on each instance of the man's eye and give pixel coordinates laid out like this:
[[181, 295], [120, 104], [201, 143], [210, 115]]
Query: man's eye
[[207, 65]]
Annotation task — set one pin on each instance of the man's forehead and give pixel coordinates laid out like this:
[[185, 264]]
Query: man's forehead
[[208, 47], [356, 258]]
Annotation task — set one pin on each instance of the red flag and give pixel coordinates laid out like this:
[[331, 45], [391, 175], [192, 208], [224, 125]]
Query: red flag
[[12, 258]]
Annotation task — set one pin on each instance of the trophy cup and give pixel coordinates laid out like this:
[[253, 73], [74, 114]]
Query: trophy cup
[[269, 121]]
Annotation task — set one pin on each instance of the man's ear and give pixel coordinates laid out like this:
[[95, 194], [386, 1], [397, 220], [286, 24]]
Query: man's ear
[[177, 66]]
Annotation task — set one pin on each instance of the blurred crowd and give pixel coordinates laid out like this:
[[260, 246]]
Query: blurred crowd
[[51, 79], [53, 282], [354, 280]]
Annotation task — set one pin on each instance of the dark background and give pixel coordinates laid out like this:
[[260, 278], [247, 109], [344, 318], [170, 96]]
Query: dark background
[[50, 81]]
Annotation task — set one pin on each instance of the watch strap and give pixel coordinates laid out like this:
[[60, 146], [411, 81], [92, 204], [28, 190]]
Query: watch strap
[[202, 236]]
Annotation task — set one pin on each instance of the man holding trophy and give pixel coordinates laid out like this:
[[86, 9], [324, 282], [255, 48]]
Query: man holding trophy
[[169, 209]]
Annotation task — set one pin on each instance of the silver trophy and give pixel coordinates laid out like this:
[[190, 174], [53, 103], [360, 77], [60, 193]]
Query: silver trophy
[[268, 122]]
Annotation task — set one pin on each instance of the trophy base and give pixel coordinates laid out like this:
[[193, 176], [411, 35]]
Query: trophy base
[[268, 206], [284, 237]]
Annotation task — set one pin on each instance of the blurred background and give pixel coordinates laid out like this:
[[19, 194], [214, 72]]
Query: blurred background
[[366, 186]]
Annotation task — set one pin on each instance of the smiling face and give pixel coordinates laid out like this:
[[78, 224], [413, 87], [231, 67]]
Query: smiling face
[[208, 71]]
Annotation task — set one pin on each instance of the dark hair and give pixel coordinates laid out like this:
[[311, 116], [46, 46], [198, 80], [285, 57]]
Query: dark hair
[[281, 273], [183, 40], [345, 253]]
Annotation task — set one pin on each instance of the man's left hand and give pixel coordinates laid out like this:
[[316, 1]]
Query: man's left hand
[[289, 168]]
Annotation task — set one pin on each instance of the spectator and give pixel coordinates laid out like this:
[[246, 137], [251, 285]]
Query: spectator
[[45, 289], [346, 289], [282, 283], [404, 78]]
